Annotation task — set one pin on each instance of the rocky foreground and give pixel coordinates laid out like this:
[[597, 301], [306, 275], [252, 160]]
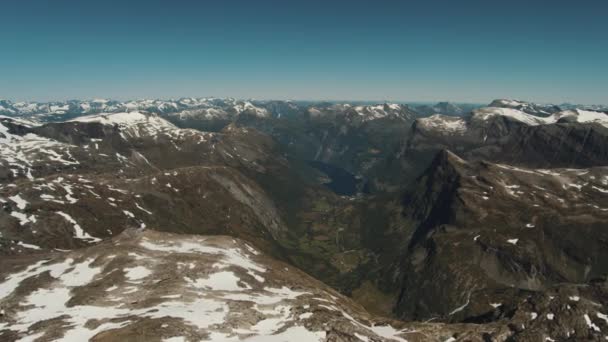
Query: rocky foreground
[[148, 285]]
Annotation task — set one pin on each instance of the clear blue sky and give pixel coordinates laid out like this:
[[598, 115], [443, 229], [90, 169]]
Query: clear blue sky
[[460, 50]]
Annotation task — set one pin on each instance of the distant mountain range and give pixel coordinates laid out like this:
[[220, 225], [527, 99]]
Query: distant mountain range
[[219, 106]]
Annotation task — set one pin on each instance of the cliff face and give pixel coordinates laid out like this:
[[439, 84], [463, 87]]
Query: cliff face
[[492, 233]]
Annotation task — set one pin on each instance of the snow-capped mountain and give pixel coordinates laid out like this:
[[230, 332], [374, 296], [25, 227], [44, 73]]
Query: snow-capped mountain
[[574, 115], [72, 108], [526, 107], [597, 108], [131, 124], [443, 124], [361, 113], [522, 112], [209, 108], [229, 109]]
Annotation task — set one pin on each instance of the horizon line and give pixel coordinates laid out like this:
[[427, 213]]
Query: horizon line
[[296, 100]]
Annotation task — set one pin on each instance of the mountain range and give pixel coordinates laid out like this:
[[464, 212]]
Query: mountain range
[[226, 220]]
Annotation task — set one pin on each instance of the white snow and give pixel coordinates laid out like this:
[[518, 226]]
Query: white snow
[[137, 273], [599, 189], [305, 315], [269, 297], [584, 116], [362, 337], [78, 231], [175, 339], [590, 324], [295, 333], [142, 209], [21, 203], [133, 124], [22, 153], [578, 115], [27, 245], [13, 280], [23, 219], [230, 256], [387, 332], [462, 307], [510, 103], [220, 281], [443, 124], [205, 307], [486, 113]]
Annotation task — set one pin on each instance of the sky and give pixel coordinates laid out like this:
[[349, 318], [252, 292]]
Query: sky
[[458, 50]]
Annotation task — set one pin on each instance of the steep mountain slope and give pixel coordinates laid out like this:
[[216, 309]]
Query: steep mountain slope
[[117, 175], [492, 233]]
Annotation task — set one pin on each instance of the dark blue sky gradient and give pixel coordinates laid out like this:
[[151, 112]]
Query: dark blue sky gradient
[[469, 51]]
